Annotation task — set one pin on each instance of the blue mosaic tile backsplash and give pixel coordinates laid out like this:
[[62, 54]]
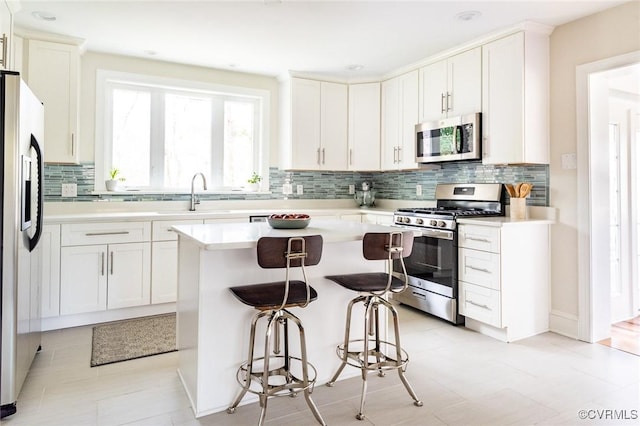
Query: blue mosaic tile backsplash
[[393, 185]]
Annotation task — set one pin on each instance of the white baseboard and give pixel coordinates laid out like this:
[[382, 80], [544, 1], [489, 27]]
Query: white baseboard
[[564, 324], [66, 321]]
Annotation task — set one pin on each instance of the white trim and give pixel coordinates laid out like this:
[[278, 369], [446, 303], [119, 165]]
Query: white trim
[[563, 323], [587, 301], [102, 158]]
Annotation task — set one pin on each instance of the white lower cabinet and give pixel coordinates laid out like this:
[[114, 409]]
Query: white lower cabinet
[[99, 277], [164, 259], [164, 270], [104, 265], [50, 246], [503, 270], [83, 280]]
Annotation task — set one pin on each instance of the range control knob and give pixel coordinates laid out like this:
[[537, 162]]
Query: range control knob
[[419, 221], [433, 222], [441, 224], [407, 220]]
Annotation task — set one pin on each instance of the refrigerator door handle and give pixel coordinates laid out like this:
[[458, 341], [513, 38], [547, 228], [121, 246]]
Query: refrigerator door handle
[[33, 241]]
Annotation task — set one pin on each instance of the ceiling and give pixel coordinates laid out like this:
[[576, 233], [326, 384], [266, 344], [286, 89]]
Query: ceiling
[[272, 37]]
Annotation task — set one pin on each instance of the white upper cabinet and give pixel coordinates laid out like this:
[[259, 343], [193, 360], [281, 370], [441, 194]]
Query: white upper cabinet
[[364, 127], [333, 126], [452, 86], [515, 108], [53, 75], [399, 117], [314, 125], [6, 35]]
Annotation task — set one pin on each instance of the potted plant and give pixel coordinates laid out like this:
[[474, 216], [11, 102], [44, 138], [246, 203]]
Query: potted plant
[[113, 183], [254, 182]]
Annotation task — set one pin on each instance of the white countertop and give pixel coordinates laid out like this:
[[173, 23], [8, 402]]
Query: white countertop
[[245, 235], [199, 214]]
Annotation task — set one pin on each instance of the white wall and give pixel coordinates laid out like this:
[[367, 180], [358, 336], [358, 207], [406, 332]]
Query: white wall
[[92, 61], [610, 33]]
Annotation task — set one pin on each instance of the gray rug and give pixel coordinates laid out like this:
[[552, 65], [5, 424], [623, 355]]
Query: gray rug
[[134, 338]]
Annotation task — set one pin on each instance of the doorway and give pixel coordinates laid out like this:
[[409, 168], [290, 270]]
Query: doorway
[[608, 101]]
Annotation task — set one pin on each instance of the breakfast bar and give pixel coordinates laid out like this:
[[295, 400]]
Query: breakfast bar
[[212, 327]]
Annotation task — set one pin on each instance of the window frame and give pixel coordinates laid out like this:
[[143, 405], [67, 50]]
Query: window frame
[[108, 79]]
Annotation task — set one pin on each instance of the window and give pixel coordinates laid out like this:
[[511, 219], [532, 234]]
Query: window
[[160, 132]]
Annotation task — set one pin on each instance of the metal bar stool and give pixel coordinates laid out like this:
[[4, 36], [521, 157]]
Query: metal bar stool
[[277, 374], [370, 353]]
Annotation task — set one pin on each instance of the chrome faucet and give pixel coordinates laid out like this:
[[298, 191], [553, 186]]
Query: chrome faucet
[[194, 200]]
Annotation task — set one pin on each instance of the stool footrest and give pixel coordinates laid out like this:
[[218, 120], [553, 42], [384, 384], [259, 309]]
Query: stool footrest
[[288, 383], [382, 358]]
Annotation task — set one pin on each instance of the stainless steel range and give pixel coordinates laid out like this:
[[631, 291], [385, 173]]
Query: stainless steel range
[[433, 264]]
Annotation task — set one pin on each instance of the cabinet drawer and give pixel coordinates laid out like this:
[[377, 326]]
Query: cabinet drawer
[[479, 267], [161, 229], [477, 237], [480, 303], [77, 234]]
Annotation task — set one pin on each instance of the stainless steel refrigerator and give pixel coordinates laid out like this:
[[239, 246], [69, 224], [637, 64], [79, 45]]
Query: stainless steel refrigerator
[[21, 186]]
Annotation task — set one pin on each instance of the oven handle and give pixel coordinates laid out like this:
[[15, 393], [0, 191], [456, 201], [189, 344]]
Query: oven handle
[[441, 234]]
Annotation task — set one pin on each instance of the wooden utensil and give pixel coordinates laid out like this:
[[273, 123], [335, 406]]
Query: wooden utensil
[[525, 190], [511, 190], [518, 187]]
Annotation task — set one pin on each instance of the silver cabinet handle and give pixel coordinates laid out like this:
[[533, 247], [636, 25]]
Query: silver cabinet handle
[[5, 42], [111, 263], [399, 154], [94, 234], [395, 154], [449, 104], [323, 156], [319, 157], [102, 263], [442, 101], [73, 145], [471, 302], [482, 240], [478, 269], [350, 156]]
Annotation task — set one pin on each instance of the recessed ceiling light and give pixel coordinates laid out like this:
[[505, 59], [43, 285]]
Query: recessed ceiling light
[[43, 16], [355, 67], [468, 15], [150, 52]]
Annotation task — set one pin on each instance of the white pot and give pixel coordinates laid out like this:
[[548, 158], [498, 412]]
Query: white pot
[[112, 184], [253, 187]]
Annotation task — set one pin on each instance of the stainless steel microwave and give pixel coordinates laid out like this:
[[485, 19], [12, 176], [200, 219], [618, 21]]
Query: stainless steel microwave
[[449, 139]]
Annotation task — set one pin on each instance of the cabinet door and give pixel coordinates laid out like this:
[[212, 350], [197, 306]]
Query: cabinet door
[[6, 32], [333, 126], [305, 124], [129, 274], [83, 279], [50, 247], [409, 89], [164, 271], [53, 75], [465, 83], [433, 88], [390, 124], [503, 103], [364, 126]]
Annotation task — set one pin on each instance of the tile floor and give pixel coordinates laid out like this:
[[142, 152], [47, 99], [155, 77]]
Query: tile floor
[[462, 377]]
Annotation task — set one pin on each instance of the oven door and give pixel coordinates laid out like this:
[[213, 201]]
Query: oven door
[[433, 263]]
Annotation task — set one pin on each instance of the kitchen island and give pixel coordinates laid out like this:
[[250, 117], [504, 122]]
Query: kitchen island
[[213, 327]]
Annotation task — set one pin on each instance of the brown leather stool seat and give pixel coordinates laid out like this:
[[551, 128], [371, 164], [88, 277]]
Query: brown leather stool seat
[[371, 352], [273, 300]]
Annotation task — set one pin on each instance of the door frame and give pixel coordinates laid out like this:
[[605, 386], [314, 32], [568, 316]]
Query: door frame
[[594, 305]]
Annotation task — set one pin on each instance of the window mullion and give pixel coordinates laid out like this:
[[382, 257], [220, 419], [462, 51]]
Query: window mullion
[[217, 141], [157, 138]]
